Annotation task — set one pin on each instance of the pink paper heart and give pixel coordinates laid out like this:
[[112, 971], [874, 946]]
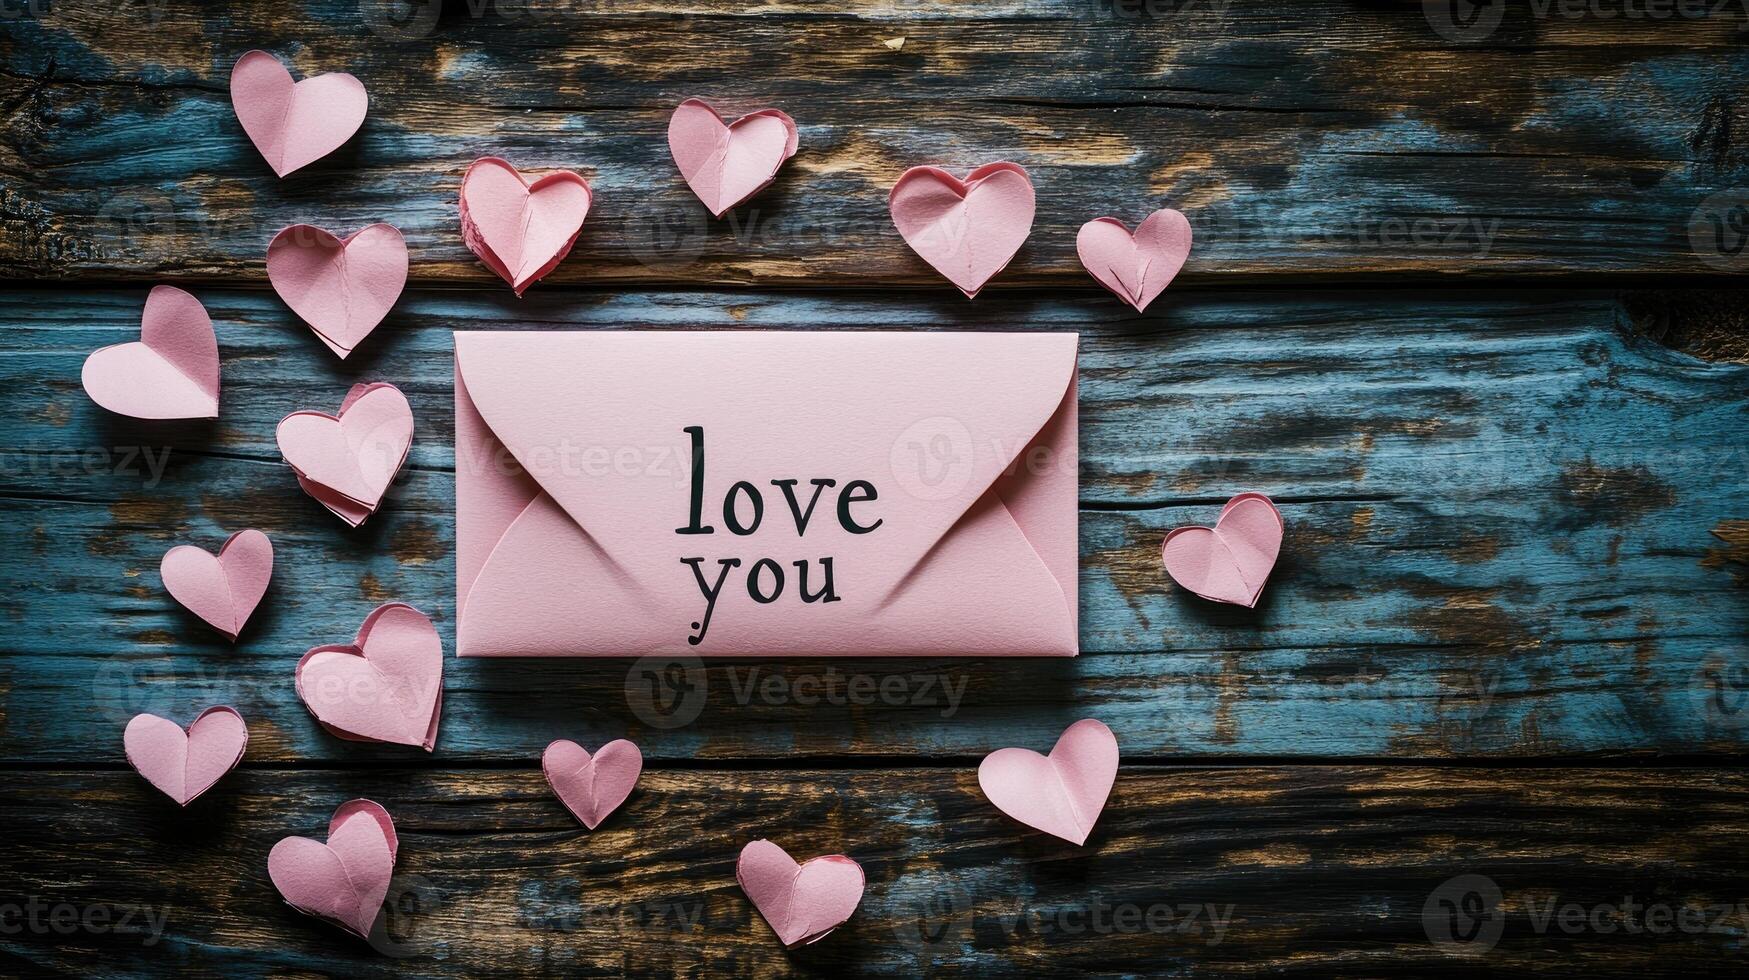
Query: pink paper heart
[[185, 764], [222, 589], [1230, 561], [344, 880], [294, 124], [592, 787], [171, 372], [727, 164], [1062, 793], [347, 462], [385, 686], [521, 230], [968, 230], [342, 288], [1136, 268], [802, 902]]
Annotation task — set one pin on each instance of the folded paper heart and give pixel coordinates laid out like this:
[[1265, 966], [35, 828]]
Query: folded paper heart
[[222, 589], [1136, 268], [341, 287], [802, 902], [592, 787], [1061, 793], [967, 229], [348, 461], [385, 686], [344, 880], [521, 230], [726, 164], [171, 372], [294, 124], [185, 764], [1230, 561]]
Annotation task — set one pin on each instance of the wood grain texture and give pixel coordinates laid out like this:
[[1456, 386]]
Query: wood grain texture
[[1517, 533], [1499, 538], [1313, 871], [1310, 140]]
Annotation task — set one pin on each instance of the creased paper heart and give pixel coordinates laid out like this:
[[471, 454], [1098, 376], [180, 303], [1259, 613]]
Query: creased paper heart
[[385, 686], [968, 230], [727, 164], [222, 589], [592, 787], [1062, 793], [1231, 561], [185, 764], [1136, 268], [521, 230], [171, 372], [348, 461], [344, 880], [341, 287], [294, 124], [802, 902]]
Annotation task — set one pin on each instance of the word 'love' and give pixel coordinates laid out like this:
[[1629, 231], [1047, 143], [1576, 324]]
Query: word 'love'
[[743, 513]]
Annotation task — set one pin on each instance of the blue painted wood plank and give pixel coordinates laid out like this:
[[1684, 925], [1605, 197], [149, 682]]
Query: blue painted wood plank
[[1319, 138], [1500, 509]]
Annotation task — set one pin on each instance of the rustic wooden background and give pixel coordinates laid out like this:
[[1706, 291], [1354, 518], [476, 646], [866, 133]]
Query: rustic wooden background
[[1466, 308]]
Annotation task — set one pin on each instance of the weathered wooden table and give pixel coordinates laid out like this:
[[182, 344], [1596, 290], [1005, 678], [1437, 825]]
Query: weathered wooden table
[[1462, 302]]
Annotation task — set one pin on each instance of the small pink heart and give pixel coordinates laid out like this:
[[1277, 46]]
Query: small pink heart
[[1062, 793], [592, 787], [171, 372], [222, 589], [968, 230], [521, 230], [347, 462], [1230, 561], [341, 287], [1136, 268], [294, 124], [344, 880], [727, 164], [385, 686], [185, 764], [802, 902]]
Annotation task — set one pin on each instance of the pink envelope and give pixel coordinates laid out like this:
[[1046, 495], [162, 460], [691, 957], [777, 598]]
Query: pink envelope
[[860, 494]]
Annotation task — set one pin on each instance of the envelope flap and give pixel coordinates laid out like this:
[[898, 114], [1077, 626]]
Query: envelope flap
[[889, 438]]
